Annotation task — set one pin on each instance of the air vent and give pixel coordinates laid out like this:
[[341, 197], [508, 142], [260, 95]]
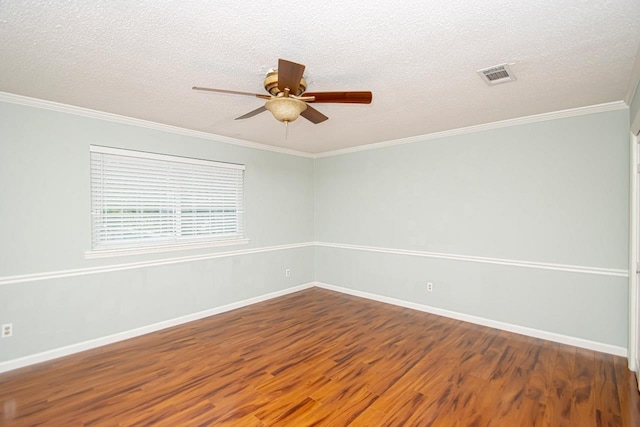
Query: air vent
[[497, 74]]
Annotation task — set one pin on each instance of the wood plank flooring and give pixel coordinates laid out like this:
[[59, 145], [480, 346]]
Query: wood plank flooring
[[321, 358]]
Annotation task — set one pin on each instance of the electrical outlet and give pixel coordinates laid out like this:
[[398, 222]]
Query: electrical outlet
[[7, 330], [287, 273], [429, 287]]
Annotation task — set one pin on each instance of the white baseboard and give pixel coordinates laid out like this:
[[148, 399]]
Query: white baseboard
[[121, 336], [522, 330]]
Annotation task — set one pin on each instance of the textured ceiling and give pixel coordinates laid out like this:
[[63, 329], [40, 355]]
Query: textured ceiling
[[141, 58]]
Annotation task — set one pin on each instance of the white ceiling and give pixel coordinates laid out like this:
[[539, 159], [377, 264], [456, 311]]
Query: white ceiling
[[419, 58]]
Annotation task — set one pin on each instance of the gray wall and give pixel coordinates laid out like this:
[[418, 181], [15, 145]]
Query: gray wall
[[552, 192], [634, 111], [45, 227]]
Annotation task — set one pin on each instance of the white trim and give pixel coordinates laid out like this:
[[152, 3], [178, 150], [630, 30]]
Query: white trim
[[633, 253], [600, 108], [121, 336], [500, 261], [108, 253], [110, 117], [163, 157], [522, 330], [7, 280], [637, 379]]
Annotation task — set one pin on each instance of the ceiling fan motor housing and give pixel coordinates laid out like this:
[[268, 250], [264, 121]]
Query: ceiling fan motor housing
[[271, 84]]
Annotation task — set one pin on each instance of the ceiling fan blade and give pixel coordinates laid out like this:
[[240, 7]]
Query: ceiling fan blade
[[313, 115], [289, 75], [232, 92], [252, 113], [342, 97]]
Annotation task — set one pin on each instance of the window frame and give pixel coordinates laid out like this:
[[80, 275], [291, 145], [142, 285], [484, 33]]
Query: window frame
[[175, 242]]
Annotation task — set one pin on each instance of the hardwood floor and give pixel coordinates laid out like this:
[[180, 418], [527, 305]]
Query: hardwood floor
[[321, 358]]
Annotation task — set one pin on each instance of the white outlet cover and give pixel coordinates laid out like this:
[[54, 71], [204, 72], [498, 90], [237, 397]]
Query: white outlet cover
[[7, 330]]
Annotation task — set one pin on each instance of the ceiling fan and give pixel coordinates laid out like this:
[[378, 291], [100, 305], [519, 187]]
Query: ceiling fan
[[288, 99]]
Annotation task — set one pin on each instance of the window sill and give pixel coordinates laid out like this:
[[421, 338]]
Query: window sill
[[107, 253]]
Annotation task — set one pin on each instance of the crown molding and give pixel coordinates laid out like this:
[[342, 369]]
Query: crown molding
[[101, 115], [573, 112]]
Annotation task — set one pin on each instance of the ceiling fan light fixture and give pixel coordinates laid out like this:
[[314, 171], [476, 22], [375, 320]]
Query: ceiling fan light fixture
[[285, 109]]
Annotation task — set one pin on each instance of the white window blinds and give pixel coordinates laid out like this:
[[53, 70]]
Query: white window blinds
[[148, 200]]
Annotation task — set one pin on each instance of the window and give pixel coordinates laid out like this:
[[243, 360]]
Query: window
[[158, 202]]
